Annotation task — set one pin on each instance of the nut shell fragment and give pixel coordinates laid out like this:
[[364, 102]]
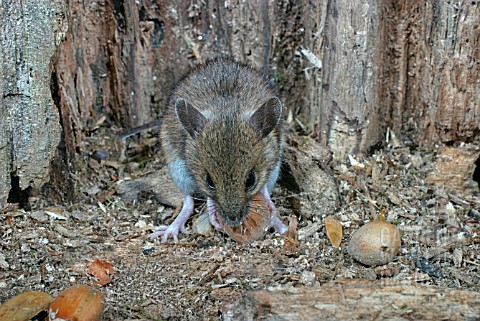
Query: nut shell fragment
[[202, 225], [77, 303], [25, 306], [334, 231], [254, 225]]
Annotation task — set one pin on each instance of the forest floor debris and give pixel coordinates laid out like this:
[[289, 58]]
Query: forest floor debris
[[48, 248]]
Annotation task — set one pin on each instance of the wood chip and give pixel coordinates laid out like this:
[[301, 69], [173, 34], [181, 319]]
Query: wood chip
[[454, 168], [291, 237], [334, 231]]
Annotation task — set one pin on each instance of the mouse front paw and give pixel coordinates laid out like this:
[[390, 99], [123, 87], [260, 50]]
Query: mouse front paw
[[178, 225], [168, 230]]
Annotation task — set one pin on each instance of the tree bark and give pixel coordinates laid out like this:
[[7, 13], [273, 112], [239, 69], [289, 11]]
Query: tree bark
[[355, 300], [432, 78], [29, 123], [374, 59], [346, 70], [122, 58], [348, 94]]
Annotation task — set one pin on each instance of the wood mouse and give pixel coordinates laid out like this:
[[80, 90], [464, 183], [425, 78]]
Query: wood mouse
[[222, 138]]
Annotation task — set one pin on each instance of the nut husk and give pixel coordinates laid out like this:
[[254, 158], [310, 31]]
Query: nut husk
[[254, 225], [25, 306], [77, 303], [375, 243]]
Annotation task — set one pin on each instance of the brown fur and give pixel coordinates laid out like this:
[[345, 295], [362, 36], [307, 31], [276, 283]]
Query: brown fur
[[227, 147]]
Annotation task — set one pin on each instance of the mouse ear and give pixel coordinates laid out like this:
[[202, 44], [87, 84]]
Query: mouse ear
[[191, 118], [266, 118]]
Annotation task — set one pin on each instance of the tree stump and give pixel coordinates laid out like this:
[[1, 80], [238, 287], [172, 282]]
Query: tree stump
[[29, 121]]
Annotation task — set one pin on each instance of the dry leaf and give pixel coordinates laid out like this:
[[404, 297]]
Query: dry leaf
[[77, 303], [334, 231], [291, 237], [25, 306], [101, 270]]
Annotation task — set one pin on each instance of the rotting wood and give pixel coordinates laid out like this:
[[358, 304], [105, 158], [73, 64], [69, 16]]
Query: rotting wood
[[305, 173], [411, 66], [356, 300], [454, 168], [29, 122], [348, 111], [431, 80]]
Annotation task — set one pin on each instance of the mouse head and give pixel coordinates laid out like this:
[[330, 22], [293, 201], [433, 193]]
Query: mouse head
[[231, 154]]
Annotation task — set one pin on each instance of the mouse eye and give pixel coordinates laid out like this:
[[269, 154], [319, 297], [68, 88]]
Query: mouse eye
[[209, 182], [250, 183]]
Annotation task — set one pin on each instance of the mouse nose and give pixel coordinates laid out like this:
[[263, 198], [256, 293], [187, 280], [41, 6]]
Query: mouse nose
[[235, 217]]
